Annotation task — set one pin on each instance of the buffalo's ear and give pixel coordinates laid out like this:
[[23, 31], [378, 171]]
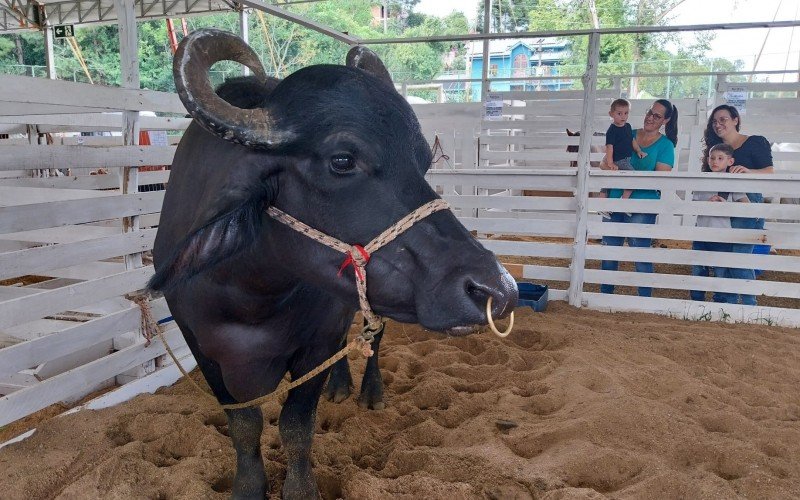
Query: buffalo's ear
[[229, 223], [365, 59]]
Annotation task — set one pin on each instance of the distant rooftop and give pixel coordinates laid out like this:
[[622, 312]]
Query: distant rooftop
[[504, 47]]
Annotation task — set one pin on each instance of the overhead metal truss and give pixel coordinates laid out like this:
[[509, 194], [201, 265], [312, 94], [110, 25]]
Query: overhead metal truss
[[18, 14], [25, 15]]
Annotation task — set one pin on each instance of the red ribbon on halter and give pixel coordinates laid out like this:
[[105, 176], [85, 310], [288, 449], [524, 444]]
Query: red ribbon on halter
[[349, 261]]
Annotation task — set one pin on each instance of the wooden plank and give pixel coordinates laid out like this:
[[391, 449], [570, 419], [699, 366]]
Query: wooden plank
[[34, 329], [87, 182], [548, 273], [24, 309], [40, 91], [695, 257], [542, 122], [14, 196], [533, 95], [680, 207], [92, 141], [678, 181], [511, 202], [94, 121], [689, 282], [517, 226], [537, 154], [537, 215], [62, 213], [38, 157], [70, 384], [686, 309], [13, 292], [80, 336], [548, 141], [781, 239], [528, 249], [9, 109], [87, 270], [162, 377], [64, 234], [504, 179]]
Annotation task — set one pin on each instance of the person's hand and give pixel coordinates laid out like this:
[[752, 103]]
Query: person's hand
[[641, 154], [716, 197], [609, 166], [739, 169]]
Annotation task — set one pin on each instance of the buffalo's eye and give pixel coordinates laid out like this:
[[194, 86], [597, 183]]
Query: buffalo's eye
[[342, 163]]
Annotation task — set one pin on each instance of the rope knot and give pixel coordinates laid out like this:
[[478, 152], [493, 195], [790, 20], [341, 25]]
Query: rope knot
[[358, 258]]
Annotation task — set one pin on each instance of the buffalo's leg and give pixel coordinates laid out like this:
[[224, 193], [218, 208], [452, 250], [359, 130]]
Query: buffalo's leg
[[296, 428], [372, 383], [244, 428], [340, 382]]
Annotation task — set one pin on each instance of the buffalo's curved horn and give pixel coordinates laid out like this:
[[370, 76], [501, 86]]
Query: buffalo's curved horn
[[195, 55], [365, 59]]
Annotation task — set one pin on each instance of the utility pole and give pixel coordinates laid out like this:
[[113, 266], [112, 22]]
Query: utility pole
[[487, 11]]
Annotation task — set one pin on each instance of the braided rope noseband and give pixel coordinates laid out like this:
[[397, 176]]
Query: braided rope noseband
[[359, 256]]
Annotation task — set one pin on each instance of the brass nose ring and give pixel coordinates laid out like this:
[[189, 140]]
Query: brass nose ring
[[491, 321]]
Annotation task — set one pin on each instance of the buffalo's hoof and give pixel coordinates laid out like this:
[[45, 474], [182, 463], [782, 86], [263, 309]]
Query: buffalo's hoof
[[300, 484], [371, 402], [250, 483], [337, 394]]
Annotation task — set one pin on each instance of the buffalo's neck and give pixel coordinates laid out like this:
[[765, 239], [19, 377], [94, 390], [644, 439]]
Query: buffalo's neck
[[267, 307]]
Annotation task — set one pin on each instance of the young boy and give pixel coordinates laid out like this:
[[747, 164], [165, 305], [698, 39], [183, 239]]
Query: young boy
[[620, 142], [720, 158]]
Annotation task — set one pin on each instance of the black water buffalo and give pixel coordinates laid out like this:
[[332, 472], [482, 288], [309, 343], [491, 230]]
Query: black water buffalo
[[339, 149]]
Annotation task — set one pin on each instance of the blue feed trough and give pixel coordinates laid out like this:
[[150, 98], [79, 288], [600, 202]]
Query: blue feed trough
[[533, 295]]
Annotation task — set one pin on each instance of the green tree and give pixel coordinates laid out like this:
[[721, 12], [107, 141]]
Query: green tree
[[507, 15]]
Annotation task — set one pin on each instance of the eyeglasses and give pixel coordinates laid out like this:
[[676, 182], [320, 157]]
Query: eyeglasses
[[722, 120], [654, 115]]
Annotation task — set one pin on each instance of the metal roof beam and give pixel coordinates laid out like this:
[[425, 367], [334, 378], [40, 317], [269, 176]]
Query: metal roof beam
[[148, 9], [19, 12], [302, 21], [168, 8]]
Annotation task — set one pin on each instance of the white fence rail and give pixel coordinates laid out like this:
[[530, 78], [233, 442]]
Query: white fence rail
[[67, 328]]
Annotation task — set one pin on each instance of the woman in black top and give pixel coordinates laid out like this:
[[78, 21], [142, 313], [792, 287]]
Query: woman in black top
[[752, 155]]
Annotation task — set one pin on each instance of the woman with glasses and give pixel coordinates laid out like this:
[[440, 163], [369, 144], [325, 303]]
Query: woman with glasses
[[660, 149], [753, 155]]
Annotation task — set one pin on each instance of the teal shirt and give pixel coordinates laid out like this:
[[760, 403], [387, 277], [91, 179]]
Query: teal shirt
[[661, 151]]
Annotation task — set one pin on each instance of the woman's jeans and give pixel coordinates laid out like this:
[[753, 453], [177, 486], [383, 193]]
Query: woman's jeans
[[618, 241], [719, 272], [744, 274]]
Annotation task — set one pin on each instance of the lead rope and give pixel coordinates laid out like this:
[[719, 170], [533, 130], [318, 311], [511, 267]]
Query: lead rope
[[358, 257], [151, 328]]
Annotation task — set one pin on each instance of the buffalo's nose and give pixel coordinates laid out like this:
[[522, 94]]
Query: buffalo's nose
[[501, 287]]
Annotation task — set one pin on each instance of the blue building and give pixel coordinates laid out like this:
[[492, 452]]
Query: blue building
[[514, 58]]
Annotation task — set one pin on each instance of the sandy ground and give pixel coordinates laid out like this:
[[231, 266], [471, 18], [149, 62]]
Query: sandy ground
[[575, 404]]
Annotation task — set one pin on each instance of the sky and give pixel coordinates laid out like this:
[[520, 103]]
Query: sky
[[781, 51]]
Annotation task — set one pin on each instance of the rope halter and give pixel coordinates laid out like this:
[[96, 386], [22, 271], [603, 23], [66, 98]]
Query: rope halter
[[358, 256]]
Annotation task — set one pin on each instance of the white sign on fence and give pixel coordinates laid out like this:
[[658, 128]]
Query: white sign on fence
[[493, 108], [736, 96]]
